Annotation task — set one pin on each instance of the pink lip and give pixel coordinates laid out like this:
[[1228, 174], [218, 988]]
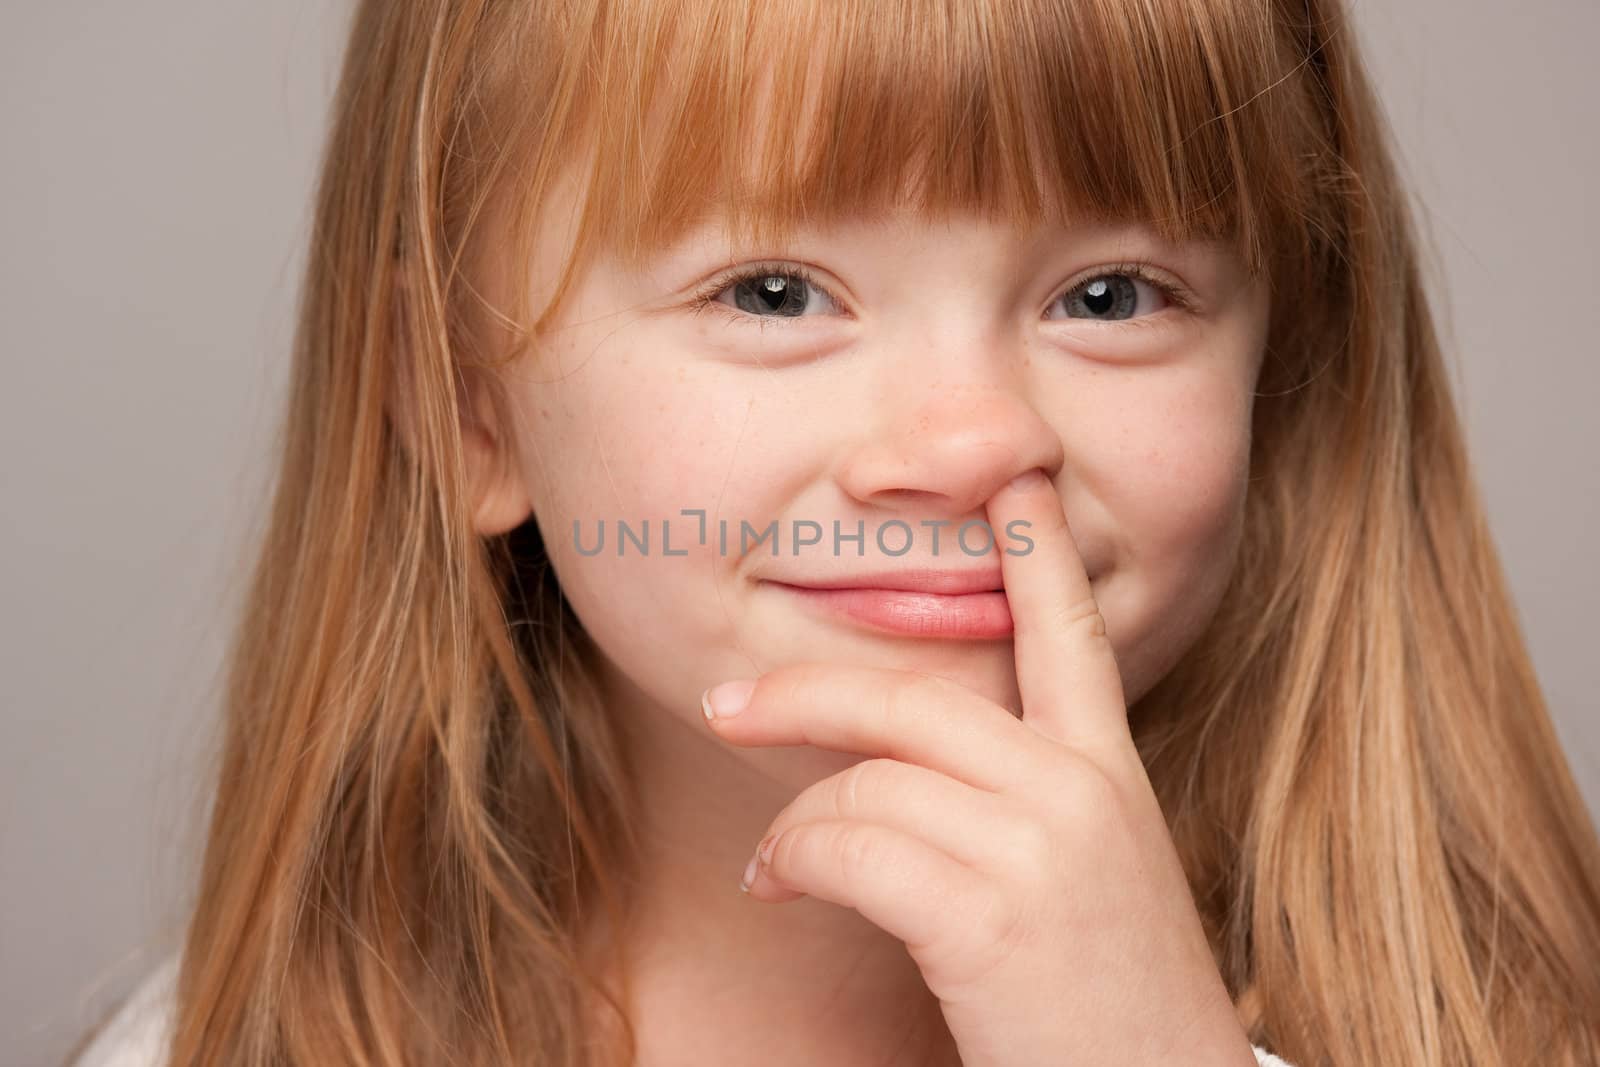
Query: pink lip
[[948, 604]]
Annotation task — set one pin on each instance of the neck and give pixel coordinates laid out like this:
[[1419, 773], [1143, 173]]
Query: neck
[[718, 976]]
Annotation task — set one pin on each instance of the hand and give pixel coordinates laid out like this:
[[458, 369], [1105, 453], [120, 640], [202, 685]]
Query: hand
[[1024, 862]]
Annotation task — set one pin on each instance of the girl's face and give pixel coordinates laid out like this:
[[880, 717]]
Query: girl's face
[[921, 366]]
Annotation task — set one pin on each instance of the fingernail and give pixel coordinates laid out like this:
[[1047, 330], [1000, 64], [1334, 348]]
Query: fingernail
[[726, 700], [748, 879], [1028, 479], [763, 855]]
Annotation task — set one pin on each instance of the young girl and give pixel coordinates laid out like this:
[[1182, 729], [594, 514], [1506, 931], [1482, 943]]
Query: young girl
[[651, 345]]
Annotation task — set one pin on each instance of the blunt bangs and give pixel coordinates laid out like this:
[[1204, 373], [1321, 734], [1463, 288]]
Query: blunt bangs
[[771, 117]]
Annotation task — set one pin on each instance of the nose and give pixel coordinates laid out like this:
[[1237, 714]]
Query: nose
[[949, 442]]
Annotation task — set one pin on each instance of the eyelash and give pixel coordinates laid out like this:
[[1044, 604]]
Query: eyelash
[[1178, 295]]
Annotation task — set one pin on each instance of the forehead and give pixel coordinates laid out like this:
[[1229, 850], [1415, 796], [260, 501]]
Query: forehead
[[911, 232], [768, 119]]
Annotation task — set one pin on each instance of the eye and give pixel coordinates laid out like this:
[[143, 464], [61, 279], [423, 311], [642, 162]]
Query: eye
[[1118, 294], [768, 291]]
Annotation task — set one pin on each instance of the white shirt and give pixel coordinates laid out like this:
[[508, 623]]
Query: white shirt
[[137, 1036]]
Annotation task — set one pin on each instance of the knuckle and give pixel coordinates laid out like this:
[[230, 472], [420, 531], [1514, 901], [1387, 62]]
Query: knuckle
[[1096, 786], [992, 937], [1081, 619], [945, 691], [1093, 800], [897, 703], [789, 684], [987, 935], [860, 785], [1029, 847], [998, 925], [917, 693], [860, 854]]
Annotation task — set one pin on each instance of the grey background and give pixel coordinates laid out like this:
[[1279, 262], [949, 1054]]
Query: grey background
[[153, 207]]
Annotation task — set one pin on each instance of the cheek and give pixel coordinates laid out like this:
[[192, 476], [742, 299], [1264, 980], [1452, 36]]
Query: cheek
[[1182, 474], [1168, 472], [631, 425], [611, 434], [617, 435]]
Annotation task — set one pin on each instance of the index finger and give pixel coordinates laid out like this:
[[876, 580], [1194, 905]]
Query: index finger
[[1066, 669]]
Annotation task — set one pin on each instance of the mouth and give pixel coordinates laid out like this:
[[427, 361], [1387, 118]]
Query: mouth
[[967, 605]]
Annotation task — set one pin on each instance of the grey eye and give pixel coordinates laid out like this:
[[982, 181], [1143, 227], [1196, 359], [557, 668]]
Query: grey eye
[[1106, 297], [779, 295]]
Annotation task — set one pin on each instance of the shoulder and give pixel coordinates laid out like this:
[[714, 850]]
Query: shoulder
[[138, 1032]]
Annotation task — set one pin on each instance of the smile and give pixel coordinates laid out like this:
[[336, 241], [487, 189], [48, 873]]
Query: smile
[[980, 614]]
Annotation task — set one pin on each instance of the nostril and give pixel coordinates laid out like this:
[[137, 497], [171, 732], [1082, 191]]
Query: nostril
[[907, 496]]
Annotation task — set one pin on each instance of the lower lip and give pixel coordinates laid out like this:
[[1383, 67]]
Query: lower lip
[[971, 616]]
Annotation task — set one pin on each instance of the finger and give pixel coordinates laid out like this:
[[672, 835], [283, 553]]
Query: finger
[[973, 826], [904, 715], [1066, 670], [903, 886]]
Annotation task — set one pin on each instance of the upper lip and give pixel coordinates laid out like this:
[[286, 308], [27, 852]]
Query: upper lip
[[927, 580]]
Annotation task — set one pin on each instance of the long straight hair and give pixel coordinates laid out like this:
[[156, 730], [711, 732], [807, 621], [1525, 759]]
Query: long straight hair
[[421, 805]]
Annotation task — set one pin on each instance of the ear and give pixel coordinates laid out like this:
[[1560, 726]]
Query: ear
[[497, 491]]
